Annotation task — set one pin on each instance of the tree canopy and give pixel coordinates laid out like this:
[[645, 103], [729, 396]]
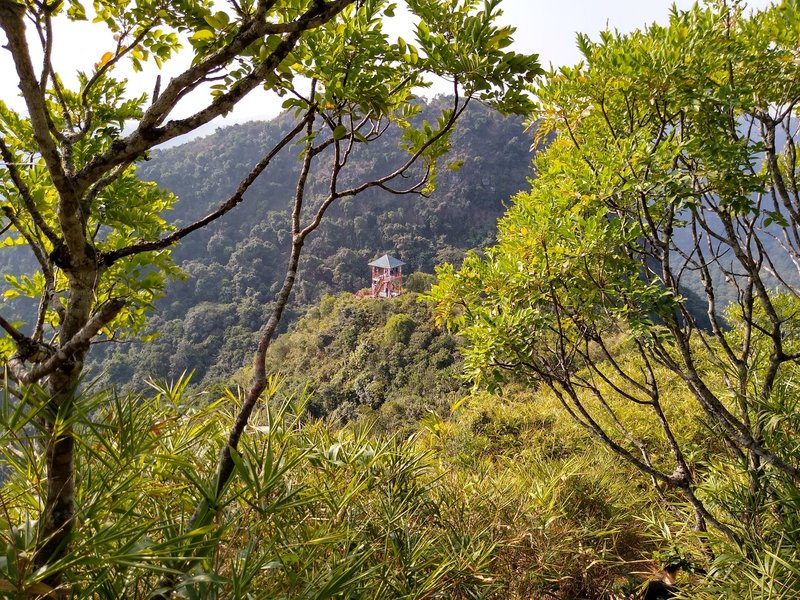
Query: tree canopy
[[674, 172]]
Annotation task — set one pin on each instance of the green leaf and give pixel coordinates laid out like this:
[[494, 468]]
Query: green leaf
[[202, 35], [340, 132], [455, 165], [218, 20], [9, 241]]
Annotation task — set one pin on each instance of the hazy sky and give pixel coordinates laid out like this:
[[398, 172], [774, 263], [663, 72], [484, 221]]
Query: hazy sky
[[548, 27], [545, 27]]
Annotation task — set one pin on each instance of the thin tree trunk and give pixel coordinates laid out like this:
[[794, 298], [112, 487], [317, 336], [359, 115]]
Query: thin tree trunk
[[58, 515], [59, 509]]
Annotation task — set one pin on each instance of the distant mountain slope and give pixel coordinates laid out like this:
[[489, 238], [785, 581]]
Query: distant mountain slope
[[234, 268]]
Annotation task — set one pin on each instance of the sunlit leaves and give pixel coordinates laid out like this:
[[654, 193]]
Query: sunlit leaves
[[143, 30], [124, 211], [202, 35], [464, 44], [219, 20], [312, 514], [76, 11], [647, 130]]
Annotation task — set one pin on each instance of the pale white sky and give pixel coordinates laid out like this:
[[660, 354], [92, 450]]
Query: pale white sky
[[548, 27], [543, 26]]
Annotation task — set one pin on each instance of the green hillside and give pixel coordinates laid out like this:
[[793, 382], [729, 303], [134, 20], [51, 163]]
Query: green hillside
[[371, 356], [207, 321]]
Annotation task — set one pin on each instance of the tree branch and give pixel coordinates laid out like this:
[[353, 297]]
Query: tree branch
[[104, 68], [12, 331], [455, 114], [63, 354], [149, 134], [35, 246], [13, 24], [109, 258]]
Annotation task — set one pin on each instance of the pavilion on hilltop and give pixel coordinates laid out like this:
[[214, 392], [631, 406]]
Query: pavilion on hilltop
[[387, 277]]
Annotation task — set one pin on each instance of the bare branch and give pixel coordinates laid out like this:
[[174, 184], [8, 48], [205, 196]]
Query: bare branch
[[13, 24], [45, 32], [108, 258], [78, 342], [402, 169], [310, 153], [12, 331], [416, 188], [120, 53]]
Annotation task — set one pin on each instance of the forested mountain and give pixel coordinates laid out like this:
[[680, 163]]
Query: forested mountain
[[234, 268]]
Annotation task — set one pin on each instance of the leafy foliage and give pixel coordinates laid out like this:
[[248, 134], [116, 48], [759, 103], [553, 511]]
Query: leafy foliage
[[312, 514], [668, 170], [321, 512], [102, 259], [371, 359]]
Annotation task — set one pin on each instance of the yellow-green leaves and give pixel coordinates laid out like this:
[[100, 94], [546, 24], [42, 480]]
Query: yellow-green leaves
[[218, 20], [76, 11], [12, 241], [463, 42], [202, 35], [24, 285]]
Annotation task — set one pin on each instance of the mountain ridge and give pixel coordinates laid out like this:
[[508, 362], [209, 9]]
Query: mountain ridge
[[207, 321]]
